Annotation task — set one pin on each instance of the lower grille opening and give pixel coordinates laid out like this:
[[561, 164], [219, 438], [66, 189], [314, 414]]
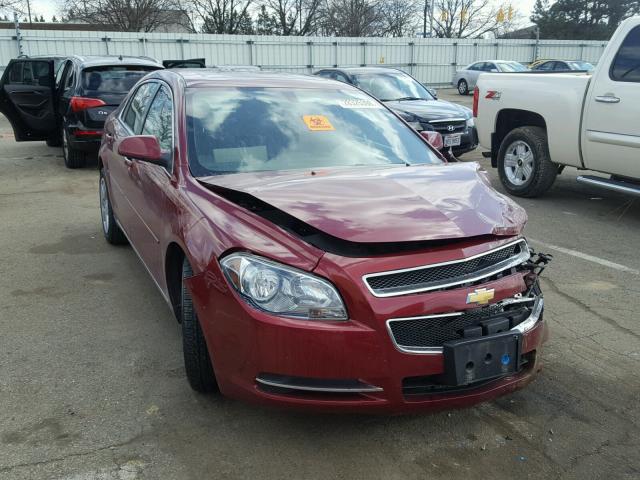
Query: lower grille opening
[[432, 384], [306, 386]]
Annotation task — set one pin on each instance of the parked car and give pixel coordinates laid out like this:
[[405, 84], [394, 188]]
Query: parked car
[[561, 66], [67, 107], [190, 63], [585, 121], [324, 258], [465, 80], [414, 102]]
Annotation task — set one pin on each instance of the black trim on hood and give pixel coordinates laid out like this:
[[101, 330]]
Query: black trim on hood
[[320, 239]]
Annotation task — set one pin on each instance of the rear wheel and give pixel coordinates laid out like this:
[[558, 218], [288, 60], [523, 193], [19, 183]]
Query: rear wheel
[[197, 362], [110, 228], [73, 158], [463, 87], [524, 163]]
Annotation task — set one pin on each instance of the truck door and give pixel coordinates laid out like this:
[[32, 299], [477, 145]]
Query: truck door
[[26, 98], [611, 125]]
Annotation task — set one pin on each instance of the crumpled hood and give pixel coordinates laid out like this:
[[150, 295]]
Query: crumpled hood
[[388, 204], [428, 110]]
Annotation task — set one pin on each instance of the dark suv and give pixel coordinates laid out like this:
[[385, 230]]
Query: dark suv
[[68, 105], [415, 103]]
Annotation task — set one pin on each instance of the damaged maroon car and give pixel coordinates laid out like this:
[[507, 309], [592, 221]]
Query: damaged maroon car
[[317, 251]]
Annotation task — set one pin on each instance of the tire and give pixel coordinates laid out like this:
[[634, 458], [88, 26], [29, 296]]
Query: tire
[[524, 163], [197, 362], [73, 158], [463, 87], [110, 228]]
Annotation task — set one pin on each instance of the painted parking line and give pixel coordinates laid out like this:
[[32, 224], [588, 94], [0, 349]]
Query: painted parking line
[[587, 257]]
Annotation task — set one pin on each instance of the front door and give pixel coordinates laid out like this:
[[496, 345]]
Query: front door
[[27, 98], [611, 132]]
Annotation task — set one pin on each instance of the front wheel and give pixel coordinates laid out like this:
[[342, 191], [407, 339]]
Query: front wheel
[[463, 87], [110, 228], [524, 163], [197, 362]]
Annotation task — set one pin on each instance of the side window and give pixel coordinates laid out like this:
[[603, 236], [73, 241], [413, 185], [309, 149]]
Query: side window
[[60, 73], [324, 74], [489, 66], [476, 66], [341, 78], [36, 73], [159, 121], [138, 106], [15, 72], [546, 66], [560, 66], [626, 64]]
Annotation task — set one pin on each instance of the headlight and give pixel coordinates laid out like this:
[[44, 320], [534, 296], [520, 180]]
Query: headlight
[[282, 290], [470, 122]]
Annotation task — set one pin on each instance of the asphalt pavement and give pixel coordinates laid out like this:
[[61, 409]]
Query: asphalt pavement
[[92, 384]]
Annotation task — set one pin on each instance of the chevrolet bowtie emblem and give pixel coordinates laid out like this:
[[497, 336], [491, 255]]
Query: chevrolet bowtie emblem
[[481, 296]]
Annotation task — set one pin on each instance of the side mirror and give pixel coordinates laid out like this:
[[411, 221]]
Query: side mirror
[[141, 147], [433, 92]]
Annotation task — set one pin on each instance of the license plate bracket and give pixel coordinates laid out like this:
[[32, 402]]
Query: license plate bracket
[[471, 360], [452, 140]]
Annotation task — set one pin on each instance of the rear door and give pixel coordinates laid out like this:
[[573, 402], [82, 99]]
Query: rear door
[[611, 126], [27, 98]]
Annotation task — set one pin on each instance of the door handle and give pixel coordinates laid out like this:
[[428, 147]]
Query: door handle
[[609, 98]]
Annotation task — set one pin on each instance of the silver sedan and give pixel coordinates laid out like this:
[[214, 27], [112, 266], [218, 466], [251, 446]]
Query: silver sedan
[[465, 80]]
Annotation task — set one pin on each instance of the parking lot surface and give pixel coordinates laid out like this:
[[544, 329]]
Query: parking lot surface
[[92, 384]]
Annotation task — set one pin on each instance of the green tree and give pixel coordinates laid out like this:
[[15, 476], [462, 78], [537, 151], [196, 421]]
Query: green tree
[[266, 23], [582, 19]]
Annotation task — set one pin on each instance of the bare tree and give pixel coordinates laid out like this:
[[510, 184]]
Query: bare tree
[[467, 18], [399, 18], [294, 17], [224, 16], [128, 15], [351, 18]]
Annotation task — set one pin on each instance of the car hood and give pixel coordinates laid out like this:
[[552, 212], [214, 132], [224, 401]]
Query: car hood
[[428, 110], [388, 204]]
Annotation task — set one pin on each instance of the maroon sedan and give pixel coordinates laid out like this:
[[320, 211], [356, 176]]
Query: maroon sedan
[[317, 251]]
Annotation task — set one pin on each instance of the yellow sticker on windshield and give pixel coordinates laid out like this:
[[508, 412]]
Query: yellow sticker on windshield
[[318, 123]]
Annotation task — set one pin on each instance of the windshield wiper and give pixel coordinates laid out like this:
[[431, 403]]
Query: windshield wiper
[[409, 98]]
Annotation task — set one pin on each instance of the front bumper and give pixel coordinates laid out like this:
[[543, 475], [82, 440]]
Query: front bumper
[[350, 366]]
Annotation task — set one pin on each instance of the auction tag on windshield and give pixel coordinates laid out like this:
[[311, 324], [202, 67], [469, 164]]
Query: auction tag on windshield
[[318, 123], [359, 103]]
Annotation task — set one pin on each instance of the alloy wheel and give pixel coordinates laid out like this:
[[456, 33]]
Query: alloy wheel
[[518, 163]]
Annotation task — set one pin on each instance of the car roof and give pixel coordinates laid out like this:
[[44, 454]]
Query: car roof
[[201, 77], [100, 60]]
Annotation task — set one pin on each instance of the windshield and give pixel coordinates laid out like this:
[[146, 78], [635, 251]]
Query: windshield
[[112, 79], [580, 65], [233, 130], [508, 67], [392, 86]]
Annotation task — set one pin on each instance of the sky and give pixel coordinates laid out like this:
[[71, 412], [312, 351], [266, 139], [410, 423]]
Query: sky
[[48, 8]]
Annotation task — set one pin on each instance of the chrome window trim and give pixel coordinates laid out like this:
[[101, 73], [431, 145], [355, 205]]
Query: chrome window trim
[[497, 268], [366, 388], [523, 327]]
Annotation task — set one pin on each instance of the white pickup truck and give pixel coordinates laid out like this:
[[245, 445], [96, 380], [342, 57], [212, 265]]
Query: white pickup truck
[[536, 124]]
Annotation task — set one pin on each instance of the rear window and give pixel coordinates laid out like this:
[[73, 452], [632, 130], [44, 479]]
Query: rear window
[[113, 79]]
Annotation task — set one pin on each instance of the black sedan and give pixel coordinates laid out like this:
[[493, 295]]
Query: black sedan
[[414, 102]]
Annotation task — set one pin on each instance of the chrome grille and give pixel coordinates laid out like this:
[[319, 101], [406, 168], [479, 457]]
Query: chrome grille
[[428, 334], [442, 126], [448, 274]]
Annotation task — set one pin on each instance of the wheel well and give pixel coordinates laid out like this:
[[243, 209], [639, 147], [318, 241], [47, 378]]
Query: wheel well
[[508, 120], [173, 272]]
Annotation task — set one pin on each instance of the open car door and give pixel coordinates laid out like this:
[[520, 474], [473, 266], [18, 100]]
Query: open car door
[[191, 63], [27, 98]]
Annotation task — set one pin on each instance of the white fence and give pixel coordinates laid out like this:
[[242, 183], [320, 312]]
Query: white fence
[[433, 61]]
